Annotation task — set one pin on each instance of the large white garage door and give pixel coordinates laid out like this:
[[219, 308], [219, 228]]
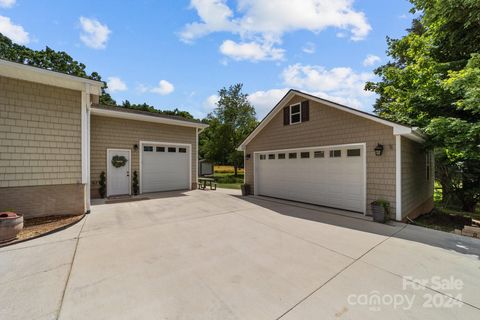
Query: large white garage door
[[165, 167], [333, 177]]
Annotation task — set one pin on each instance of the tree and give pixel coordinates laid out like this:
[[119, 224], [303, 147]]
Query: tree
[[146, 107], [229, 124], [433, 82]]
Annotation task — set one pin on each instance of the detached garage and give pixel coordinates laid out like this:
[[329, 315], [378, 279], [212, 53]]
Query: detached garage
[[160, 150], [311, 150]]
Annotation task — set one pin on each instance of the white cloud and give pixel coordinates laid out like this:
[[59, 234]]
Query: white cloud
[[95, 34], [264, 101], [370, 60], [340, 81], [264, 22], [342, 85], [13, 31], [163, 88], [309, 48], [7, 3], [252, 51], [116, 84], [210, 103]]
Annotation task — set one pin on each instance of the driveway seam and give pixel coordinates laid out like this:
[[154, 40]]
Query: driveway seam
[[336, 275], [70, 269]]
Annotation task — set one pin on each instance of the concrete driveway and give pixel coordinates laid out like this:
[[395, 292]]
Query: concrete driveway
[[213, 255]]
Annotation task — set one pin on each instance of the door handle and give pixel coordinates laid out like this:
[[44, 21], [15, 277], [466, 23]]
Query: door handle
[[128, 173]]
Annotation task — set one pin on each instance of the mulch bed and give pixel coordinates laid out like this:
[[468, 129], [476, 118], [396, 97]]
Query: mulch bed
[[35, 227], [443, 221]]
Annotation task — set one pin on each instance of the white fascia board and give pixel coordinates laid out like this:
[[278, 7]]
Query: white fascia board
[[57, 79], [147, 118]]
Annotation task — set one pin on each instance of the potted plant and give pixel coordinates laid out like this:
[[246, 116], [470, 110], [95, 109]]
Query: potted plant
[[380, 210], [245, 189], [11, 224], [135, 183], [103, 185]]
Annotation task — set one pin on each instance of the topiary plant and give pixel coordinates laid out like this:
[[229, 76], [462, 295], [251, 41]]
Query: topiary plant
[[103, 185], [135, 183]]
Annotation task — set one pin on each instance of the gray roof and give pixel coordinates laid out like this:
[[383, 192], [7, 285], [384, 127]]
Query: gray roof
[[142, 112]]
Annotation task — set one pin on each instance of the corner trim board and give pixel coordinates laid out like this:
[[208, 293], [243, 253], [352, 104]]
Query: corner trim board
[[398, 178]]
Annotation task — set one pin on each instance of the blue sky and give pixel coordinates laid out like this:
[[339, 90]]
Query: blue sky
[[180, 53]]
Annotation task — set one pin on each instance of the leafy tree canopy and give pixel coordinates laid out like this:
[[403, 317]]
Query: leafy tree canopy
[[433, 82], [229, 124]]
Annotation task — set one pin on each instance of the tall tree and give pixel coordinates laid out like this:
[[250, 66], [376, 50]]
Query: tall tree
[[230, 123], [433, 82]]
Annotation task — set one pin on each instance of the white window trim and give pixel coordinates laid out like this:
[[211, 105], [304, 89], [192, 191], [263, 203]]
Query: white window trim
[[299, 112], [155, 143], [129, 169], [363, 146]]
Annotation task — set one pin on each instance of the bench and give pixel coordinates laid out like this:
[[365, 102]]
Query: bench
[[203, 182]]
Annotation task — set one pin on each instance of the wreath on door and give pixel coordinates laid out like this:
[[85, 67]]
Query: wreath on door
[[119, 161]]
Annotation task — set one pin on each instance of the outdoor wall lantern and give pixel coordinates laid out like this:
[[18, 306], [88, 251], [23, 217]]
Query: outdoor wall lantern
[[135, 147], [379, 149], [247, 156]]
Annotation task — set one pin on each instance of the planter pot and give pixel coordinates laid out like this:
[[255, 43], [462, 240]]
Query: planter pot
[[10, 225], [379, 214], [245, 189]]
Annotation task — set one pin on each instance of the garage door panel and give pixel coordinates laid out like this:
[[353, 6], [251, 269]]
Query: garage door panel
[[164, 171], [335, 182]]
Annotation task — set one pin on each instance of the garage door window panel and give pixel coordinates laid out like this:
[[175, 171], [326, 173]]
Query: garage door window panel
[[319, 154], [148, 148], [172, 149], [271, 157], [292, 155], [353, 153], [281, 156], [304, 155], [335, 153], [160, 149]]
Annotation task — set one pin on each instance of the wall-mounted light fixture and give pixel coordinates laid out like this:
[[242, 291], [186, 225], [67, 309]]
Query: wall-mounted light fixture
[[379, 149], [247, 156], [135, 147]]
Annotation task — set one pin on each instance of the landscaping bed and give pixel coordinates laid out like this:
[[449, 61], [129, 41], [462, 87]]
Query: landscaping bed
[[35, 227]]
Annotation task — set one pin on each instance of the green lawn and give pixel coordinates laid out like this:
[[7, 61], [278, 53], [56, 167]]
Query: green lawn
[[228, 180]]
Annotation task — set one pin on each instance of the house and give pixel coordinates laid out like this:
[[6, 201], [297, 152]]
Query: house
[[312, 150], [56, 140]]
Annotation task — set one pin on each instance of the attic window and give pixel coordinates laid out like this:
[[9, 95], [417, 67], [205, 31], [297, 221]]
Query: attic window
[[295, 113]]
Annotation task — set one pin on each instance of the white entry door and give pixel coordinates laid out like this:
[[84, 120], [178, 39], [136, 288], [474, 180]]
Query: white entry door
[[118, 178], [331, 176], [165, 167]]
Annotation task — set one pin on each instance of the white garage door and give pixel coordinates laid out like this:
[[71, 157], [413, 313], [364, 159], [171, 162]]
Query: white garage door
[[165, 167], [333, 177]]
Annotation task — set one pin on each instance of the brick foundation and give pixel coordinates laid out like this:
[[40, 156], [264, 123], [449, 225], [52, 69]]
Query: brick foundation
[[40, 201]]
